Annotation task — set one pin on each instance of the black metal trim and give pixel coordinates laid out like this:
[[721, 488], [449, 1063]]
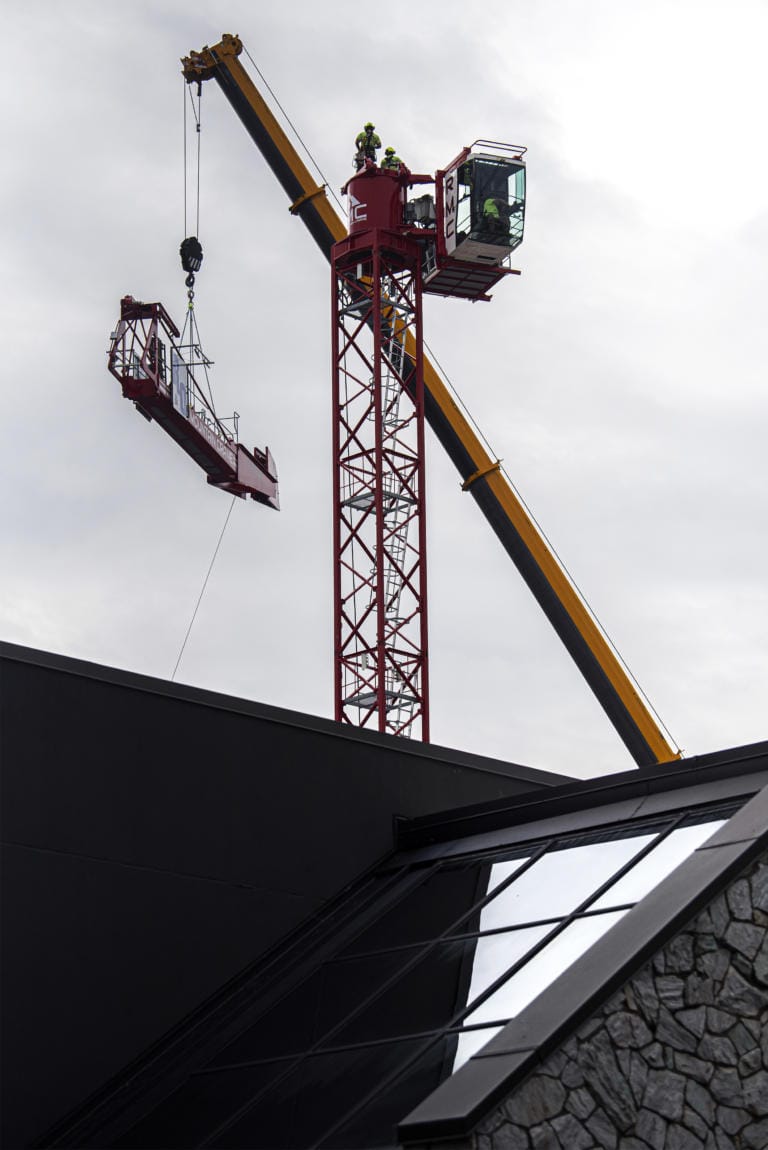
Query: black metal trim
[[480, 818]]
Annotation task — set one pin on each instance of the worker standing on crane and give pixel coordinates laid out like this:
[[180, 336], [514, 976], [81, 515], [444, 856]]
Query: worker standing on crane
[[391, 160], [367, 144]]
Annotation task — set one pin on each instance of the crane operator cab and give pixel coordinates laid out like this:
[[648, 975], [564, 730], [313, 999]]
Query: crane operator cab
[[480, 220]]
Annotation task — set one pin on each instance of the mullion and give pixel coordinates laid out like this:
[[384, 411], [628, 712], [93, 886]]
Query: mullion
[[576, 915], [429, 947], [578, 912], [345, 1047], [419, 875], [423, 950], [372, 899], [380, 1087], [470, 934]]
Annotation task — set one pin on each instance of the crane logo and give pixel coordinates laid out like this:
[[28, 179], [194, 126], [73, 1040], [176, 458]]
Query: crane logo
[[359, 211], [449, 211]]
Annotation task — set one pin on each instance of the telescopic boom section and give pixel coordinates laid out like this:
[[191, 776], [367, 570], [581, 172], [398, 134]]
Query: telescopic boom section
[[151, 366], [481, 475]]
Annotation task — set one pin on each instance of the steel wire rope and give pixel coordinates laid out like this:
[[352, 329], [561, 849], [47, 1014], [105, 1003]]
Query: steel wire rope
[[194, 343], [190, 320], [198, 126], [595, 618], [295, 131], [202, 589], [184, 92], [198, 122]]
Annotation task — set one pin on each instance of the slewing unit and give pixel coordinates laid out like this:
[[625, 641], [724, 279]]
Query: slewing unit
[[157, 374]]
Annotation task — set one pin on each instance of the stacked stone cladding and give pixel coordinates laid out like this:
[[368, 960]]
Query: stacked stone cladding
[[675, 1060]]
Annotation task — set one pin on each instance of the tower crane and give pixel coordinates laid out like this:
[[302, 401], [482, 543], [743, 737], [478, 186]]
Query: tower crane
[[442, 267]]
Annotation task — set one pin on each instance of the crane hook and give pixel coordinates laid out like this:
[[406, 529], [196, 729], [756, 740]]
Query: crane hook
[[191, 252]]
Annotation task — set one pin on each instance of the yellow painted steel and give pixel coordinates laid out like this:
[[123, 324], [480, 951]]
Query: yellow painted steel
[[303, 199], [480, 474], [201, 66]]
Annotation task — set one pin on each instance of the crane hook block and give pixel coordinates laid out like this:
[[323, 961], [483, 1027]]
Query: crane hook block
[[191, 252]]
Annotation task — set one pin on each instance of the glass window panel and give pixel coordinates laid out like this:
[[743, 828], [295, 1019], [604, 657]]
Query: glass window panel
[[348, 983], [426, 997], [559, 882], [285, 1029], [197, 1108], [470, 1041], [428, 910], [656, 865], [544, 968], [302, 1107], [375, 1125], [502, 870], [312, 1008], [495, 954]]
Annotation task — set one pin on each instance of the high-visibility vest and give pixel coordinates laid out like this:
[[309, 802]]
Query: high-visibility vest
[[491, 208], [370, 141]]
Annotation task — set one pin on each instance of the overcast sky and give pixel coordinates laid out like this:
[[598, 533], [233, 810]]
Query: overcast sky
[[622, 377]]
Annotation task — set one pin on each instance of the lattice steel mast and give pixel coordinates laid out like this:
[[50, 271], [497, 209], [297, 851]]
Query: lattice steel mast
[[380, 605]]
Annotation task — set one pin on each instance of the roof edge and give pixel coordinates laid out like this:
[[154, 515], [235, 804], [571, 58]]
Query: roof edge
[[637, 783], [200, 696]]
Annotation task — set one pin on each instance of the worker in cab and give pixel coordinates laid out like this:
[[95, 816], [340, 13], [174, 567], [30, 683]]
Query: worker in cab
[[495, 216], [391, 160], [367, 144]]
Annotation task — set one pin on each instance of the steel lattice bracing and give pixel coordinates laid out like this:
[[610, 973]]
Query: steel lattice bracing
[[380, 614]]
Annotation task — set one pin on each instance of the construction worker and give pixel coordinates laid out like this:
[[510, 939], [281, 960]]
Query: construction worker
[[390, 159], [495, 215], [367, 144]]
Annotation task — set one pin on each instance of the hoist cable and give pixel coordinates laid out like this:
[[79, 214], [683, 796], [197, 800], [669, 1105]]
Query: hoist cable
[[293, 128], [197, 115], [202, 589], [199, 138], [185, 155]]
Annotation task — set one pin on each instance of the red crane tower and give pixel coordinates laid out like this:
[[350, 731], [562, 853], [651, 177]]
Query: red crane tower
[[395, 250]]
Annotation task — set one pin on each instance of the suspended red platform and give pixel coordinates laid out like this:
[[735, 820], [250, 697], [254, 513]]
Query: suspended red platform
[[156, 372]]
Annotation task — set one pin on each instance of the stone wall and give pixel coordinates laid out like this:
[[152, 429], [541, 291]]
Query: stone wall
[[676, 1060]]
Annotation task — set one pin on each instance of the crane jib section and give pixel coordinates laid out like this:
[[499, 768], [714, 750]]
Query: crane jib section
[[490, 489], [155, 373]]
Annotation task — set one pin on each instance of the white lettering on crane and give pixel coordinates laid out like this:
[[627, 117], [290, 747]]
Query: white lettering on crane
[[449, 210], [359, 209]]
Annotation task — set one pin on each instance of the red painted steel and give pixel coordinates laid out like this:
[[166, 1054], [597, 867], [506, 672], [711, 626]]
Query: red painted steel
[[380, 590], [376, 200], [155, 372]]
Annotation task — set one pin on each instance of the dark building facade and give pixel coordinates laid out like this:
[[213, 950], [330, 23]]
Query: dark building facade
[[230, 925]]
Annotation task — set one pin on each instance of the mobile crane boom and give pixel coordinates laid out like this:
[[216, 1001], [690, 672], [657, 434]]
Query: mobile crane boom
[[481, 475]]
